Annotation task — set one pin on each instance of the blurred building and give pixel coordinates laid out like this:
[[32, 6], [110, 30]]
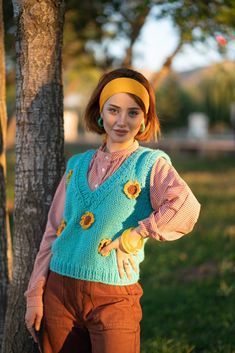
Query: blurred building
[[198, 124]]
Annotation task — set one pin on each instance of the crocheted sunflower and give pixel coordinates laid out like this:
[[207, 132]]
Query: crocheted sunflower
[[68, 176], [132, 189], [87, 220], [61, 227], [102, 244]]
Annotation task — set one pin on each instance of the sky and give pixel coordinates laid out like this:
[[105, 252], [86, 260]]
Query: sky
[[159, 39]]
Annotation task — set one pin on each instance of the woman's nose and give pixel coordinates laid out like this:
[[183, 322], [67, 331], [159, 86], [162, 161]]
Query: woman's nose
[[122, 118]]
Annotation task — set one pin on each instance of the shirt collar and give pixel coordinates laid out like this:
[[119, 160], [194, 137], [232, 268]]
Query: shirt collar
[[118, 154]]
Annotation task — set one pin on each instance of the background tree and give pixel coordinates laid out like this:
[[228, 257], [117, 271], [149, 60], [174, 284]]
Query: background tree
[[93, 27], [218, 92], [39, 147], [174, 103], [5, 236], [209, 90], [195, 21], [120, 21]]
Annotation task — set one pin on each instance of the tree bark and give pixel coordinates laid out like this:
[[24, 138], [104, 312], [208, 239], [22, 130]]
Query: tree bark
[[39, 147], [5, 236], [136, 27], [158, 77]]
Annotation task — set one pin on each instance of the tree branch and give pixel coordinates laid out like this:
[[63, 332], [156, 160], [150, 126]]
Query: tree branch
[[160, 75], [136, 27]]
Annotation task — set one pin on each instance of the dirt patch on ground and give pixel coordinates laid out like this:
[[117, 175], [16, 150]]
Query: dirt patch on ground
[[206, 270]]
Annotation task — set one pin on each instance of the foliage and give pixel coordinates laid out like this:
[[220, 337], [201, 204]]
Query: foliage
[[92, 26], [210, 90], [9, 39], [218, 92], [198, 20], [194, 21], [9, 29], [174, 103]]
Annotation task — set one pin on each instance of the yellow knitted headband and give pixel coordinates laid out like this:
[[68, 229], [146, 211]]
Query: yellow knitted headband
[[124, 85]]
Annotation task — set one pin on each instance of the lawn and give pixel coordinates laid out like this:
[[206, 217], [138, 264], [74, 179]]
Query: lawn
[[189, 291]]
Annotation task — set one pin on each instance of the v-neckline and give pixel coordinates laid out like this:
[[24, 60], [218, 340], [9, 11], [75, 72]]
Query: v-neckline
[[81, 176]]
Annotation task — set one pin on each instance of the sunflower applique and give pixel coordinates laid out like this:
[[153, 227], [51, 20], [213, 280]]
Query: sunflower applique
[[61, 227], [87, 220], [132, 189], [68, 176], [102, 244]]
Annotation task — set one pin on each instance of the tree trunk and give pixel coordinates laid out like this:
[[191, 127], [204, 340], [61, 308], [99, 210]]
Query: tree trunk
[[136, 27], [158, 77], [5, 236], [39, 147]]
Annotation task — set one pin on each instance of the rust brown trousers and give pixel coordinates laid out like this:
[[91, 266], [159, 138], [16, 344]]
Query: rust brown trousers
[[90, 317]]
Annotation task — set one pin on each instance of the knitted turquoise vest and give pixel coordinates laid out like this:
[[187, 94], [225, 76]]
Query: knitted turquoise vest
[[113, 207]]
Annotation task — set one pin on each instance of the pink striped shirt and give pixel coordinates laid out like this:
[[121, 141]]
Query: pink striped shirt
[[175, 210]]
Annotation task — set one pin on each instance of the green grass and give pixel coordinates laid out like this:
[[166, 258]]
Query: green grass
[[189, 288], [189, 291]]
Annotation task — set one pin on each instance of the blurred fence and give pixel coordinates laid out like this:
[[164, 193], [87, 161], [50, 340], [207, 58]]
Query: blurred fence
[[207, 147], [182, 144]]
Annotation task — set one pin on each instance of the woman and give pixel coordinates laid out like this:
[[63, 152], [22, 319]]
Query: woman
[[108, 203]]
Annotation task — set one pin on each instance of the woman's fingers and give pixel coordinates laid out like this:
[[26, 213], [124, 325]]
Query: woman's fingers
[[120, 264], [125, 262], [34, 335], [32, 332], [126, 265], [133, 264], [38, 322], [33, 319], [113, 245]]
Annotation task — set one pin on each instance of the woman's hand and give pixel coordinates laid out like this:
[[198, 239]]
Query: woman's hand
[[124, 260], [33, 318]]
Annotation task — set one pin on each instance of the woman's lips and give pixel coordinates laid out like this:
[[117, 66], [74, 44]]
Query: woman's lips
[[121, 132]]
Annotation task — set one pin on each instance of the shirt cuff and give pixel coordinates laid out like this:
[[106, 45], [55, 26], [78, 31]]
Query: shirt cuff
[[34, 301], [141, 230], [147, 230], [34, 295]]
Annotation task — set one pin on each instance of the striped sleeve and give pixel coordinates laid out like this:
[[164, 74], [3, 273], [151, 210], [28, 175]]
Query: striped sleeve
[[39, 275], [176, 209]]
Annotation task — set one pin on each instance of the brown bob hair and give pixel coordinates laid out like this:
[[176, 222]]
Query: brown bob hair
[[92, 112]]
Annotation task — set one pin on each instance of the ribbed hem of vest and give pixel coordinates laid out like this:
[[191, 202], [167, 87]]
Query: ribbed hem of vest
[[90, 274]]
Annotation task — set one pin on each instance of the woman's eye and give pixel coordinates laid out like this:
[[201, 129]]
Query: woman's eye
[[112, 110], [133, 113]]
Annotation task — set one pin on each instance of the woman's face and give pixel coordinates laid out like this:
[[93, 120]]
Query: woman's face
[[122, 118]]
